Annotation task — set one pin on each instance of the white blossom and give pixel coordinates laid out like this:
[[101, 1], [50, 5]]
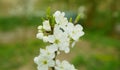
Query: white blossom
[[60, 18], [40, 32], [45, 38], [44, 62], [49, 51], [69, 28], [39, 35], [75, 32], [60, 38], [73, 44], [40, 27], [64, 65], [46, 25]]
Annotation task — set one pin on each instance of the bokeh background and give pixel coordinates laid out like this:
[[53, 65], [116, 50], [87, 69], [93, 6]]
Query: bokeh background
[[98, 49]]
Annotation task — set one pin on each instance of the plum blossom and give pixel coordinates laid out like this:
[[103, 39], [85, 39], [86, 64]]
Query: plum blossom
[[44, 62], [64, 65], [40, 35], [60, 37], [46, 25], [60, 19], [49, 51], [74, 31], [77, 32]]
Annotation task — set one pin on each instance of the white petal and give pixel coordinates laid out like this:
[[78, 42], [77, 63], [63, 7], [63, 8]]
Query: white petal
[[69, 29], [45, 39], [73, 44], [56, 13], [42, 50], [81, 33], [58, 52], [46, 25], [67, 50], [79, 27], [63, 13], [51, 63], [58, 62], [40, 31], [36, 59], [52, 48], [42, 67], [51, 38], [40, 27], [75, 37], [39, 35]]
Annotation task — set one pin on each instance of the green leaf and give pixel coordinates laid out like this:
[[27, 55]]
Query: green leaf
[[70, 20], [48, 12], [77, 19]]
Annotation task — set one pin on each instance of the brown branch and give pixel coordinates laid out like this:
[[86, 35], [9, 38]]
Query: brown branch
[[53, 68]]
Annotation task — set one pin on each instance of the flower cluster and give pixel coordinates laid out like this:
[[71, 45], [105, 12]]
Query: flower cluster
[[61, 35]]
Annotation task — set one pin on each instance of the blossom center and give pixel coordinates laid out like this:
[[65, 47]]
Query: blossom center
[[44, 62], [57, 41]]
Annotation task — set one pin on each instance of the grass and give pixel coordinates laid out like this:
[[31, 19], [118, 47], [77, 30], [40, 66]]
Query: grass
[[10, 23], [18, 54], [95, 63], [106, 59], [15, 55], [101, 39]]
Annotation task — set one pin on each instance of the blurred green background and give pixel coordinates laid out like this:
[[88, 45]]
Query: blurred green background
[[98, 49]]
